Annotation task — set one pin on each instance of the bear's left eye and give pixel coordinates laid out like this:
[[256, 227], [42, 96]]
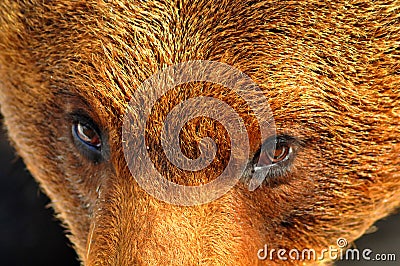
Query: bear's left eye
[[274, 151], [273, 159], [87, 139]]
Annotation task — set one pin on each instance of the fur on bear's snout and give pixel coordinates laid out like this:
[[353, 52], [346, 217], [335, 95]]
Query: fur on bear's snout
[[331, 72]]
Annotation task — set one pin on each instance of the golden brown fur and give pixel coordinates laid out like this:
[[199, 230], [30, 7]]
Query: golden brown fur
[[330, 68]]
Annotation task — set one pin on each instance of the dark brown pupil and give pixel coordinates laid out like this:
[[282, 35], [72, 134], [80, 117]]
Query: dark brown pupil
[[88, 135], [280, 153], [270, 155]]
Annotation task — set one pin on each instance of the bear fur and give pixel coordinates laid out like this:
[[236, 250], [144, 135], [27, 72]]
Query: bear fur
[[331, 70]]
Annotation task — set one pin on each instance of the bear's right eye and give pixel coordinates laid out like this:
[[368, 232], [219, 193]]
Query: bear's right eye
[[87, 139], [87, 135]]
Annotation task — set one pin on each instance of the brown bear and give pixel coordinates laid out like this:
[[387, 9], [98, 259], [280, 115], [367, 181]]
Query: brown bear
[[318, 175]]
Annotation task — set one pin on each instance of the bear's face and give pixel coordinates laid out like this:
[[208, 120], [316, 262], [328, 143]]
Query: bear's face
[[330, 75]]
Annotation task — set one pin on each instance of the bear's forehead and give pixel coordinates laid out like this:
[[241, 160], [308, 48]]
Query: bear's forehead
[[100, 53]]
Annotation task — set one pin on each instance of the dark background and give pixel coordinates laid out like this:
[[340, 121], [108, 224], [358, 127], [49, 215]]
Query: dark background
[[30, 235]]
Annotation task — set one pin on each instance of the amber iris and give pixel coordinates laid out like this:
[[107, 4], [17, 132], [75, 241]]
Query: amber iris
[[274, 153]]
